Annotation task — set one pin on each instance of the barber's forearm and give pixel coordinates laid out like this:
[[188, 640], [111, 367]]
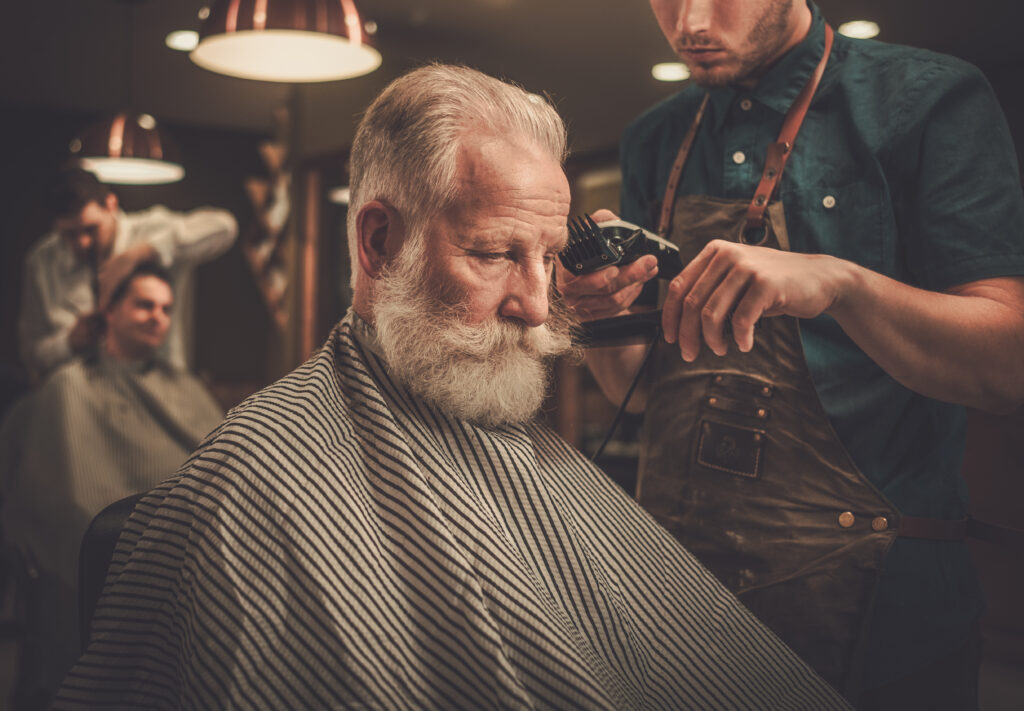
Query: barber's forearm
[[964, 346], [614, 369], [42, 355], [206, 233]]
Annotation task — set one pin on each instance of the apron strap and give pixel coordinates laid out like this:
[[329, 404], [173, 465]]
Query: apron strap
[[779, 152], [936, 529], [775, 160], [933, 529], [665, 223]]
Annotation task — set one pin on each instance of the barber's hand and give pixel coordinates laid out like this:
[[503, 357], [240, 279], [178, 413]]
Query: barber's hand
[[86, 332], [114, 270], [740, 284], [606, 292]]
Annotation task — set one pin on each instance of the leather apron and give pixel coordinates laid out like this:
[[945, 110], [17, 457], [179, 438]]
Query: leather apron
[[740, 462]]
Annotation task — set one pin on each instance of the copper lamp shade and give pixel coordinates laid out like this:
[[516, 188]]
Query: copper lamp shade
[[128, 149], [285, 40]]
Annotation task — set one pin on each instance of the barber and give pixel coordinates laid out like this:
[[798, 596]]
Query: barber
[[70, 272], [851, 215]]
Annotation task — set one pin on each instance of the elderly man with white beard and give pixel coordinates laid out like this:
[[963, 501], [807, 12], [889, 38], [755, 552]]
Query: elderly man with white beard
[[388, 527]]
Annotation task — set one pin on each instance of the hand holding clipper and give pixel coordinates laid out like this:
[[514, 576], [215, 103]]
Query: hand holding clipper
[[597, 245]]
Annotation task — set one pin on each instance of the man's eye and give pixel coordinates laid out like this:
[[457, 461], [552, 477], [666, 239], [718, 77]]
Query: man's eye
[[493, 256]]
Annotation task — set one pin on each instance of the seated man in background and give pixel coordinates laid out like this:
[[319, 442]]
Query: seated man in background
[[70, 272], [96, 430], [388, 526]]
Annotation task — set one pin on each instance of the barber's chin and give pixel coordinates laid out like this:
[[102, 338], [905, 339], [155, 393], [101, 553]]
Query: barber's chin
[[712, 74]]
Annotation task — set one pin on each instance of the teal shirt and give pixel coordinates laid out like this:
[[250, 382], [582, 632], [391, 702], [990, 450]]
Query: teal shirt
[[903, 165]]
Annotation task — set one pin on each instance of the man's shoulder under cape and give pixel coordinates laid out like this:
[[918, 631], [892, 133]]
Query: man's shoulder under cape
[[338, 543]]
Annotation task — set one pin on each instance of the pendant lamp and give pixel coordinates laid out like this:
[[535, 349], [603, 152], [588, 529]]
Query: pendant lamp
[[128, 148], [285, 40]]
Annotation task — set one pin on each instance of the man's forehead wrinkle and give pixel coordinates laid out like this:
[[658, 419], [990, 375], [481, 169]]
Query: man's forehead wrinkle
[[508, 196]]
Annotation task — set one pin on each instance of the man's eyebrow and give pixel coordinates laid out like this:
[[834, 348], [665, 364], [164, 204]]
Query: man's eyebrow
[[483, 243]]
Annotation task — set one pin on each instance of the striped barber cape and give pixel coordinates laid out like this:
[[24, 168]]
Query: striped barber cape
[[337, 543]]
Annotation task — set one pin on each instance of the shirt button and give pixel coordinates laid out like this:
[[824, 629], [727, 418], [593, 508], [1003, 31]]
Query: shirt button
[[746, 104], [738, 157], [829, 201], [879, 523], [846, 519]]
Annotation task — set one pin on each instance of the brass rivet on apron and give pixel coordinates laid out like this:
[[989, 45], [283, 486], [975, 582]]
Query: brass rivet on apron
[[879, 523], [718, 378], [766, 390], [712, 400], [761, 412], [846, 519], [757, 437]]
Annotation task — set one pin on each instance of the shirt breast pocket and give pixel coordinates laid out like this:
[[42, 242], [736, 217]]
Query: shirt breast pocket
[[849, 220]]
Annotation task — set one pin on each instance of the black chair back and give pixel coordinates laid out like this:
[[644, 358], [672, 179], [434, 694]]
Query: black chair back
[[94, 558]]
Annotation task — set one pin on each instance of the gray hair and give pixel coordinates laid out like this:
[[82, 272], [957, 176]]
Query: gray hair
[[406, 146]]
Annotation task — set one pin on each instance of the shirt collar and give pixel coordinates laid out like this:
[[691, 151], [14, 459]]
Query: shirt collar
[[780, 85], [120, 233], [131, 366], [364, 332]]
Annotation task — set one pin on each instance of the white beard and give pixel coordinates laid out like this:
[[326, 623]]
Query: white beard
[[494, 373]]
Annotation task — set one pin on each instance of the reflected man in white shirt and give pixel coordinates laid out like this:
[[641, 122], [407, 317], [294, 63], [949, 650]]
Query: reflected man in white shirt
[[70, 272]]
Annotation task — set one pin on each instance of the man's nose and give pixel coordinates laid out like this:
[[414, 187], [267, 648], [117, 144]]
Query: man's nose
[[694, 16], [527, 298]]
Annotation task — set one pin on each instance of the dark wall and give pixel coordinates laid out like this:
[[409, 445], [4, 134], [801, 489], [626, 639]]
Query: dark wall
[[1005, 80], [232, 328]]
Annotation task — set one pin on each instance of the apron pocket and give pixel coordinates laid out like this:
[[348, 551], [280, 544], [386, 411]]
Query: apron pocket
[[732, 449], [744, 408]]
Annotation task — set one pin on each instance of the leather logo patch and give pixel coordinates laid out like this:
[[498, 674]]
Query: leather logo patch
[[736, 450]]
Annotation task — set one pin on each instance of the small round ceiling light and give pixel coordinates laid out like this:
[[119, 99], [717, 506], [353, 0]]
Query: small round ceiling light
[[182, 40], [339, 195], [670, 71], [859, 29], [285, 40]]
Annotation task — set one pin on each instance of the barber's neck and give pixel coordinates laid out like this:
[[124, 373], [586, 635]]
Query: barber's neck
[[797, 31]]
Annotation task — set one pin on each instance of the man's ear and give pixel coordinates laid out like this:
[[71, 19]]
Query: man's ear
[[380, 233]]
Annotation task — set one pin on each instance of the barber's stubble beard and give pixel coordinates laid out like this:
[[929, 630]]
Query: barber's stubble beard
[[492, 374], [765, 41]]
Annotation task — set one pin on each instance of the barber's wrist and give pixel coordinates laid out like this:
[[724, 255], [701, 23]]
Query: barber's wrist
[[848, 283]]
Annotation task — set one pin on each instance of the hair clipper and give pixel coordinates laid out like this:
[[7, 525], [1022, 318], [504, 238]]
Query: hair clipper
[[593, 246]]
